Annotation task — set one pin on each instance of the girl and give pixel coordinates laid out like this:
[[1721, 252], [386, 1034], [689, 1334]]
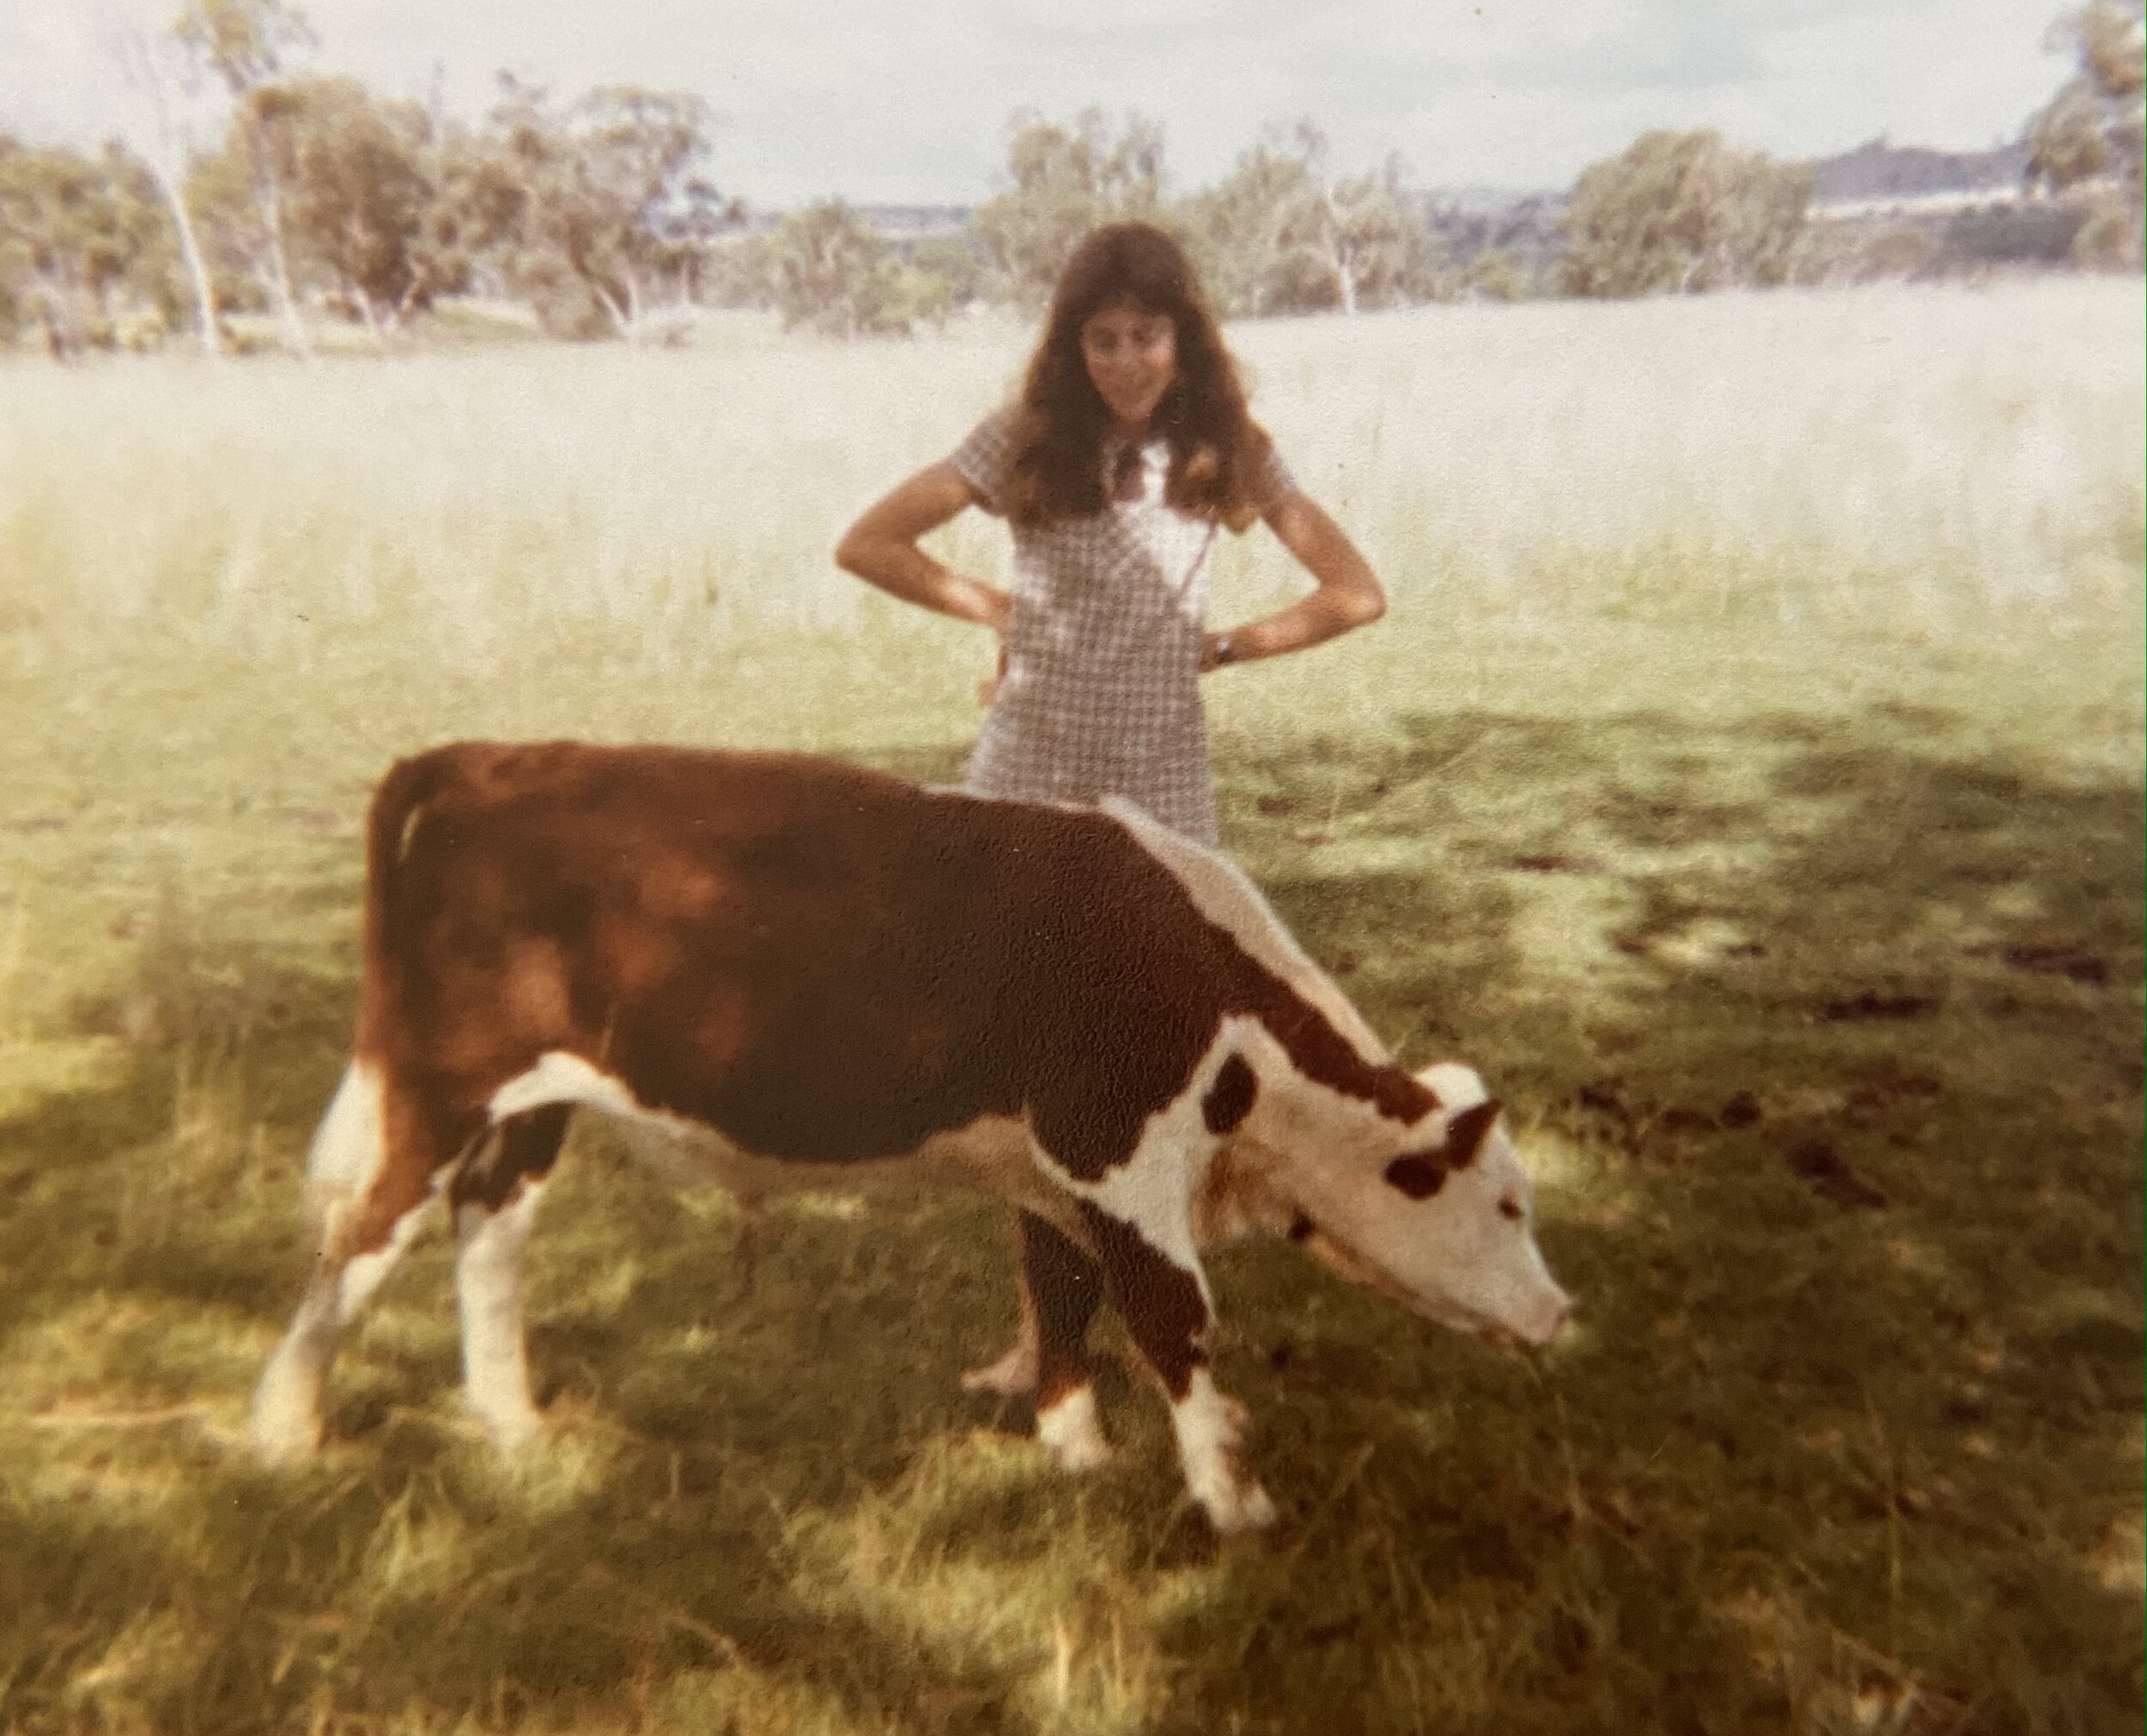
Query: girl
[[1129, 445]]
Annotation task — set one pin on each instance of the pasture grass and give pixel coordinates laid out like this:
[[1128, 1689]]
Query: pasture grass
[[1747, 779]]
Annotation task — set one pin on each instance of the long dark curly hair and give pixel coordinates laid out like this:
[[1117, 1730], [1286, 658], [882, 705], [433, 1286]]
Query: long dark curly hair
[[1216, 447]]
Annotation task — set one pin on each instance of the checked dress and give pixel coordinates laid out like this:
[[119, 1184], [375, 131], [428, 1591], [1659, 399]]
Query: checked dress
[[1100, 695]]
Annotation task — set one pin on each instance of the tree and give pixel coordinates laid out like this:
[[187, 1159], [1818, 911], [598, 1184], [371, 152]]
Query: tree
[[243, 43], [2090, 132], [1066, 179], [1283, 233], [160, 139], [943, 274], [1683, 211], [82, 244], [596, 205], [359, 186], [1240, 231], [831, 274], [1358, 231]]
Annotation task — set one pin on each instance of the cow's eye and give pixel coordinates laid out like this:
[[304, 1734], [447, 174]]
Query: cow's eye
[[1511, 1207], [1414, 1177]]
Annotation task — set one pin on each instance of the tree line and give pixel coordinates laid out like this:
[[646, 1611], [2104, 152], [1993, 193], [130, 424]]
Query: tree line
[[316, 198]]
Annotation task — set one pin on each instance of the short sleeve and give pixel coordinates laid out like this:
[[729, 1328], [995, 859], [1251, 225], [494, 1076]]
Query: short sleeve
[[1272, 480], [986, 458]]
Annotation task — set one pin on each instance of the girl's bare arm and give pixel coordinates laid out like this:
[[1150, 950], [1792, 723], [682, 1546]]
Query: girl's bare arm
[[1347, 592], [881, 549]]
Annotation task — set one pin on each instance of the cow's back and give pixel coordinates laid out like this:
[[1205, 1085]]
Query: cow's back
[[825, 963]]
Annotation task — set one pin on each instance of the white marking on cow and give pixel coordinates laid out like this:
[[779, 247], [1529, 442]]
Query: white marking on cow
[[489, 1289], [1456, 1087], [1153, 1189], [286, 1402], [1226, 895], [1071, 1433], [560, 1077], [364, 1273], [351, 1144], [1209, 1427]]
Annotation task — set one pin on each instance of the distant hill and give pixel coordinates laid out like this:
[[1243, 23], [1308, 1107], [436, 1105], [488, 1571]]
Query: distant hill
[[1879, 173], [1885, 210], [892, 222], [914, 222]]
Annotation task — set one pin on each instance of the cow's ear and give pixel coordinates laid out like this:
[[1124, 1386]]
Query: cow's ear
[[1466, 1132], [1452, 1082]]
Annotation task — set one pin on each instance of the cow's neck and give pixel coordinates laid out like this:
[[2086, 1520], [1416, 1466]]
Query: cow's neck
[[1306, 1139]]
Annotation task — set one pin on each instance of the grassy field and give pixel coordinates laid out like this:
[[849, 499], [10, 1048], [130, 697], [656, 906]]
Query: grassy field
[[1748, 778]]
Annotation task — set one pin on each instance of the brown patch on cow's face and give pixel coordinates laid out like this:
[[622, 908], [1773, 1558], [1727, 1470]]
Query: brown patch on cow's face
[[1231, 1098], [1466, 1132], [1417, 1177], [1420, 1174]]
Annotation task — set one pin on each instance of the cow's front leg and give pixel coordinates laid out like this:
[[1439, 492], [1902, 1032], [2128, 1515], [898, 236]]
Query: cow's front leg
[[1064, 1287], [1166, 1314]]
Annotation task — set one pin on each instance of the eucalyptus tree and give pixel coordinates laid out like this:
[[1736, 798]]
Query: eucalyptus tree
[[243, 44], [1683, 212], [1066, 180]]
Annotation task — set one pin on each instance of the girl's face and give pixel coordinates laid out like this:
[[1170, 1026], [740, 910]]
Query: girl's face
[[1132, 357]]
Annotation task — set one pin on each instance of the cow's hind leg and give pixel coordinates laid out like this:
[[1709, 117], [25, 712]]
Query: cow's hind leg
[[369, 1177], [1014, 1375], [1166, 1315], [495, 1199], [1065, 1285]]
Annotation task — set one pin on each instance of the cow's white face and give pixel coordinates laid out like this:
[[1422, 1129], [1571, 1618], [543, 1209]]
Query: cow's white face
[[1446, 1224]]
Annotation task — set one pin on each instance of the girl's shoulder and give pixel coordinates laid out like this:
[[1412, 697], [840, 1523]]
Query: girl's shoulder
[[986, 455]]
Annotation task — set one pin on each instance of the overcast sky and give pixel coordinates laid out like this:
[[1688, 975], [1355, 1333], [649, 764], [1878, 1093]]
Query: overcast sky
[[907, 100]]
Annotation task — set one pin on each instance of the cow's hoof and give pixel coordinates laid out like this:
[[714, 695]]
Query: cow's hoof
[[1012, 1376], [285, 1424], [1242, 1507], [1071, 1434], [515, 1432], [285, 1439]]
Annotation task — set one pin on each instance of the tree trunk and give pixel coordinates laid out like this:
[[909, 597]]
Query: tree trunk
[[265, 194], [619, 323], [59, 303], [197, 272], [1339, 263], [372, 319]]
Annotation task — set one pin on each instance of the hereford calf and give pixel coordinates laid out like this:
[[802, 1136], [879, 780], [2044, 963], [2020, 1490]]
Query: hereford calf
[[821, 973]]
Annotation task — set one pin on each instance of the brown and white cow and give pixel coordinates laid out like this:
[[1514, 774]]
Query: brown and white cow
[[828, 976]]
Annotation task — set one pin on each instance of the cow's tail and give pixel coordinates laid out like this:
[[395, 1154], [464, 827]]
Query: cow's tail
[[398, 801]]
